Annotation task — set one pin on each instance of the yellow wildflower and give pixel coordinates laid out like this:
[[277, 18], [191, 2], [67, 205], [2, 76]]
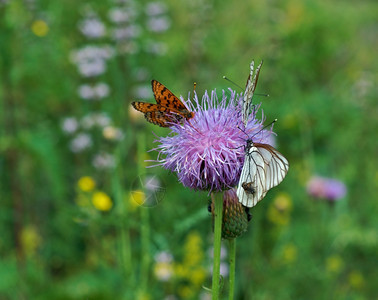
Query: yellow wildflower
[[186, 291], [101, 201], [181, 271], [356, 279], [40, 28], [112, 133], [295, 15], [191, 269], [334, 264], [30, 240], [143, 296], [198, 276], [279, 211], [283, 202], [136, 199], [163, 271], [289, 253], [290, 121], [193, 251], [86, 183]]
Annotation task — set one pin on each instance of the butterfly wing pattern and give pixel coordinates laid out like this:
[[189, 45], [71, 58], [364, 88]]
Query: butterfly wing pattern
[[250, 88], [264, 167], [168, 110], [157, 118]]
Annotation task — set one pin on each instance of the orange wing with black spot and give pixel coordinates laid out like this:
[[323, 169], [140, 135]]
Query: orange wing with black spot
[[165, 97], [157, 118], [145, 107], [169, 109], [163, 119]]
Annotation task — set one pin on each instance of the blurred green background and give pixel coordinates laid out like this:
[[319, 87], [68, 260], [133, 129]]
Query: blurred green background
[[71, 148]]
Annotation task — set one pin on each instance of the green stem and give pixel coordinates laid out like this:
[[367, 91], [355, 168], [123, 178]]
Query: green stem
[[232, 258], [217, 199], [144, 215], [145, 242], [125, 253]]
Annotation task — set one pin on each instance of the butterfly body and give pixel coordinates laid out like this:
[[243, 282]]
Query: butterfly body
[[168, 110], [249, 187]]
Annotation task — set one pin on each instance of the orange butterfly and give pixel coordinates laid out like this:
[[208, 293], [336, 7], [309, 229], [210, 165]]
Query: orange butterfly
[[169, 109]]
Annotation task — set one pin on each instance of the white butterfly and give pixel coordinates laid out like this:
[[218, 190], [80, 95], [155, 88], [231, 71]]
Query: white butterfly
[[264, 167], [249, 90]]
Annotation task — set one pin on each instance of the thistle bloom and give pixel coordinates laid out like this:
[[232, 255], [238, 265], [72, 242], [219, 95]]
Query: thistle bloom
[[326, 188], [207, 153]]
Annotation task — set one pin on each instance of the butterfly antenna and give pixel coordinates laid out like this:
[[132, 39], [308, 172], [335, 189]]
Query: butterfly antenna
[[248, 138], [242, 131], [274, 121], [234, 83], [271, 123], [264, 95], [224, 77], [194, 90]]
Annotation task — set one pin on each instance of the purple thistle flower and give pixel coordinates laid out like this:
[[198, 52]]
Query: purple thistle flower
[[335, 189], [326, 188], [207, 152]]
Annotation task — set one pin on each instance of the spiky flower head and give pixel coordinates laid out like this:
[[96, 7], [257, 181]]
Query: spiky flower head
[[207, 152]]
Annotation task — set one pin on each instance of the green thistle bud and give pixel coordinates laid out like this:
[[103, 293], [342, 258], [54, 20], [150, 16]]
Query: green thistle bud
[[235, 215]]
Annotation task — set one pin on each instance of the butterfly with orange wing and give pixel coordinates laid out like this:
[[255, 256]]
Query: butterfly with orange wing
[[168, 110]]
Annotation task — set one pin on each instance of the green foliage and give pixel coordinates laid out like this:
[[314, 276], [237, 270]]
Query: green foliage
[[61, 237]]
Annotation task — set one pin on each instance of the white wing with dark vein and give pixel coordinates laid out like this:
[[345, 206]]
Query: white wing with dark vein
[[264, 167], [249, 90]]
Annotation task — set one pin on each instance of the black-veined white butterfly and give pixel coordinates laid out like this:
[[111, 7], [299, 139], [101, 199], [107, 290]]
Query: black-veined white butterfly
[[264, 167], [250, 90]]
